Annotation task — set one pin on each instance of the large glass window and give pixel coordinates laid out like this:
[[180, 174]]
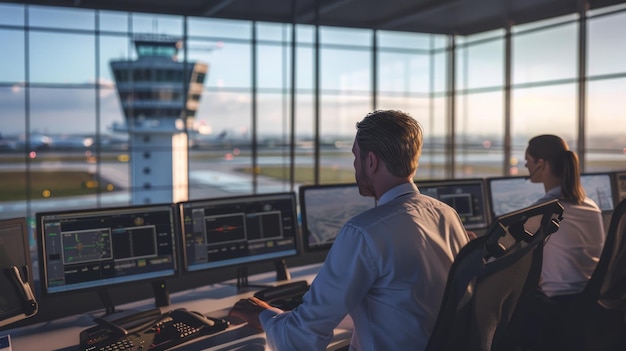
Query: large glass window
[[606, 132], [113, 21], [157, 24], [433, 159], [12, 14], [479, 123], [230, 63], [480, 65], [62, 130], [606, 48], [220, 159], [59, 98], [403, 73], [51, 17], [545, 55], [62, 58], [479, 135], [346, 83], [273, 127], [13, 151], [219, 28], [542, 110], [12, 41]]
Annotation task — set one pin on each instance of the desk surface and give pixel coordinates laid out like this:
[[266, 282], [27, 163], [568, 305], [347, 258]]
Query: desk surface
[[213, 300]]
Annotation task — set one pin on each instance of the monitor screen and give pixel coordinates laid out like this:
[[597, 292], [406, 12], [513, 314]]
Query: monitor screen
[[238, 230], [87, 249], [508, 194], [326, 208], [16, 299], [466, 196], [599, 187]]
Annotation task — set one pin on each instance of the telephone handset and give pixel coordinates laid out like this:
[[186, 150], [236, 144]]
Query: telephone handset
[[151, 331]]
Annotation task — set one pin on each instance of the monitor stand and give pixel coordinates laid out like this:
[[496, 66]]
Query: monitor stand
[[161, 295], [105, 298], [282, 272], [159, 289], [280, 266]]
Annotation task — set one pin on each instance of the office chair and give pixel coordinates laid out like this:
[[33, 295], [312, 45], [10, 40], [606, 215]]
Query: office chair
[[491, 280], [17, 300], [595, 320]]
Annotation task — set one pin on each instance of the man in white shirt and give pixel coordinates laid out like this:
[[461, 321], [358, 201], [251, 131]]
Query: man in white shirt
[[387, 267]]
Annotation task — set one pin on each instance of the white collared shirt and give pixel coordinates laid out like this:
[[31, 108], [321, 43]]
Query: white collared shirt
[[387, 269], [571, 254]]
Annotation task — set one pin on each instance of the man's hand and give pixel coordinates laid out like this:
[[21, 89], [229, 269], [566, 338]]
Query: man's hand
[[248, 310]]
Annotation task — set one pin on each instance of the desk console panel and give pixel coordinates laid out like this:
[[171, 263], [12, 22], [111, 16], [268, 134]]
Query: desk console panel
[[137, 334]]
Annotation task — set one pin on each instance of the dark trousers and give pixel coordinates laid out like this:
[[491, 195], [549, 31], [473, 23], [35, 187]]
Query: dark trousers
[[545, 327], [571, 323]]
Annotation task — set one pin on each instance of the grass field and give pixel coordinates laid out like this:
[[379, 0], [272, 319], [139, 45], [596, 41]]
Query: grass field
[[305, 175], [49, 185], [55, 184]]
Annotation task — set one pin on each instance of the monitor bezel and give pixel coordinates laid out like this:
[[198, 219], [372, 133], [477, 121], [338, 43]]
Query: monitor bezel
[[102, 211], [230, 199], [464, 181], [303, 216], [21, 313], [618, 195]]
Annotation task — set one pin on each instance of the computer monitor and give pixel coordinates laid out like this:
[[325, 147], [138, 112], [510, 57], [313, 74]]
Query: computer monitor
[[599, 187], [466, 196], [95, 249], [620, 186], [235, 231], [325, 209], [17, 301], [508, 194]]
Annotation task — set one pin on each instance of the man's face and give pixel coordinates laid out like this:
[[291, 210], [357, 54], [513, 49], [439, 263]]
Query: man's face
[[360, 173]]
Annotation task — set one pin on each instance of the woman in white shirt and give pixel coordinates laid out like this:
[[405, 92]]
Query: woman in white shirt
[[570, 254]]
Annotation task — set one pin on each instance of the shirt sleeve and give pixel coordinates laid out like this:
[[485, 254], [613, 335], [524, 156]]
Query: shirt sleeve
[[345, 277]]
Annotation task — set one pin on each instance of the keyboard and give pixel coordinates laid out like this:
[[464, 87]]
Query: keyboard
[[286, 296], [134, 333]]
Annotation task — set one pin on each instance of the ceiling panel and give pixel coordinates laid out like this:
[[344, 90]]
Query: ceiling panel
[[461, 17]]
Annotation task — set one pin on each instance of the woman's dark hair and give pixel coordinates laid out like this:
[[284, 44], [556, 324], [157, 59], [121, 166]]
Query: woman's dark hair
[[563, 164], [393, 136]]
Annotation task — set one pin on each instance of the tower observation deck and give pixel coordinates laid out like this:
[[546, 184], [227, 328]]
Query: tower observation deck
[[159, 97]]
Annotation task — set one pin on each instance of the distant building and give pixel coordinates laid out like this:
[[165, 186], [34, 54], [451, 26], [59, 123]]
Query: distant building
[[159, 97]]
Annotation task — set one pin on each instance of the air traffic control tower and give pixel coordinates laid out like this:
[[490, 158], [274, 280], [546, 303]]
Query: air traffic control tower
[[159, 96]]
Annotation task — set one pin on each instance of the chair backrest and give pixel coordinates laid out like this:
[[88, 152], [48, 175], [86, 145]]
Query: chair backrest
[[491, 280], [17, 300], [607, 285]]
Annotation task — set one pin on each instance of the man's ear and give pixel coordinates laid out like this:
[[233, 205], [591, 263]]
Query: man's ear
[[372, 162]]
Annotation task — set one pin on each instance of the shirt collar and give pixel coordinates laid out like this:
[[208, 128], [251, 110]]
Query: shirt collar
[[397, 191], [554, 193]]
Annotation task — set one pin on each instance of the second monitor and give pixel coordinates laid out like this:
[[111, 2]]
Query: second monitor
[[233, 231], [509, 194], [326, 208], [466, 196]]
